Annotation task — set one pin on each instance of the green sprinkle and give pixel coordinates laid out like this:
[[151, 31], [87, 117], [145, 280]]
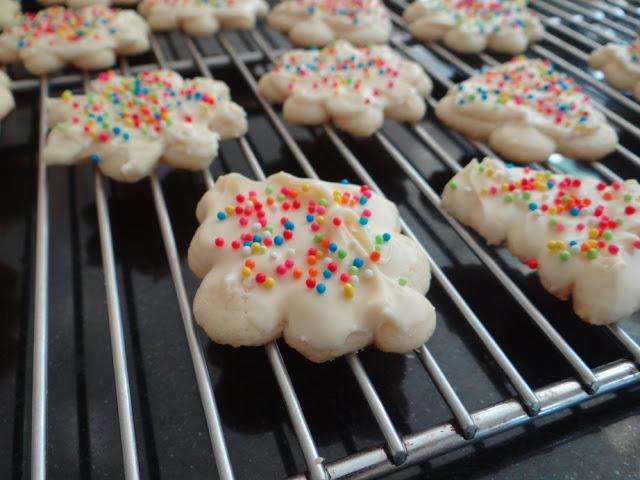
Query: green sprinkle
[[269, 228], [592, 253], [526, 195], [323, 202], [553, 222], [508, 197], [280, 197], [627, 197], [565, 255], [353, 270], [481, 169], [607, 234], [342, 253], [317, 237], [378, 238], [402, 281], [453, 185], [268, 190]]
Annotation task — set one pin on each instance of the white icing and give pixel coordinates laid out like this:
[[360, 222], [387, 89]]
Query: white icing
[[239, 310], [319, 22], [191, 116], [6, 97], [356, 87], [202, 17], [50, 40], [505, 26], [620, 64], [527, 110], [601, 278], [9, 10]]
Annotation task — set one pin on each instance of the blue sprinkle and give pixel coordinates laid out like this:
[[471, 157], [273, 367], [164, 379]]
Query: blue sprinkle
[[533, 206], [573, 243], [363, 200], [575, 211], [247, 243], [125, 135], [321, 288], [289, 225], [364, 220], [344, 181], [116, 130], [94, 158], [327, 274], [358, 262], [386, 237], [257, 238], [333, 247], [310, 218], [221, 216], [278, 240]]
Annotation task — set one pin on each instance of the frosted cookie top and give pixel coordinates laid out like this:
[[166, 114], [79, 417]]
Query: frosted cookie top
[[202, 17], [322, 264], [473, 25], [528, 110], [86, 3], [319, 22], [355, 86], [620, 63], [86, 37], [9, 10], [6, 97], [582, 234], [125, 125]]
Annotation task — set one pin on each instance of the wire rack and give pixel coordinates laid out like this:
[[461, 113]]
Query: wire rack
[[573, 29]]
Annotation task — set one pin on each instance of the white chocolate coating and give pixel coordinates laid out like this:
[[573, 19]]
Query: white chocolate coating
[[87, 3], [505, 26], [527, 110], [316, 23], [355, 87], [251, 295], [620, 64], [88, 38], [9, 10], [126, 125], [584, 235], [202, 17], [6, 97]]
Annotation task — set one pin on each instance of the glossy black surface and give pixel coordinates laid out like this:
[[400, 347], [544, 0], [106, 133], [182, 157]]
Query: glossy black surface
[[592, 441]]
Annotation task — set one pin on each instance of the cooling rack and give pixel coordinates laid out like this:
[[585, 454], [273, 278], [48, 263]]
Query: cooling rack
[[409, 164]]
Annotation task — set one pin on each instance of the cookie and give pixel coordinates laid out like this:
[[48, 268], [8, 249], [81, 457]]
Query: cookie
[[88, 38], [9, 10], [620, 64], [471, 26], [356, 87], [202, 17], [527, 110], [126, 125], [323, 265], [6, 97], [316, 23], [582, 235]]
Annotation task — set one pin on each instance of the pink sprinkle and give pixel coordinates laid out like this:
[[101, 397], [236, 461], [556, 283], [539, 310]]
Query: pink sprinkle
[[244, 221], [613, 249]]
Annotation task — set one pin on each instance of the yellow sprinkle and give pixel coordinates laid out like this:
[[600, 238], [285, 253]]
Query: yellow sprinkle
[[269, 282], [306, 187], [246, 271], [67, 95], [592, 243], [505, 187], [320, 219], [91, 121], [349, 291], [489, 172], [229, 209], [320, 253], [551, 244], [553, 210], [484, 191], [594, 233], [255, 247]]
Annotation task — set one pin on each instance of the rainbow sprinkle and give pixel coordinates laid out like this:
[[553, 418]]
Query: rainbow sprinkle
[[264, 227], [534, 85], [355, 10]]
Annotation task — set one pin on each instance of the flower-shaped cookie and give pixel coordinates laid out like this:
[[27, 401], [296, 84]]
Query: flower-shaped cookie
[[582, 235], [126, 125], [317, 23], [88, 38], [528, 110], [202, 17], [620, 64], [6, 98], [322, 264], [9, 10], [356, 87], [471, 26]]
